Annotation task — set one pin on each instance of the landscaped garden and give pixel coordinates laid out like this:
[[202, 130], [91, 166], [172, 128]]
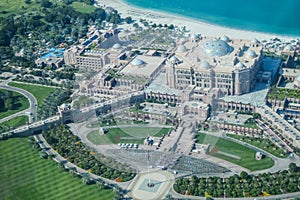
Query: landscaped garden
[[11, 103], [24, 175], [234, 152], [281, 93], [39, 92], [126, 135], [245, 185], [48, 98], [71, 148], [261, 143]]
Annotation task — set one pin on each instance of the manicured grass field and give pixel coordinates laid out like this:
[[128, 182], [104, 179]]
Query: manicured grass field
[[21, 104], [126, 135], [24, 175], [8, 7], [262, 144], [97, 139], [230, 151], [40, 92], [83, 7], [15, 122]]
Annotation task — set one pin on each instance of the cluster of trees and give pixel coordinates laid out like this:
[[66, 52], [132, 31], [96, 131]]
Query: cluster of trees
[[70, 147], [9, 100], [49, 25], [49, 106], [242, 186]]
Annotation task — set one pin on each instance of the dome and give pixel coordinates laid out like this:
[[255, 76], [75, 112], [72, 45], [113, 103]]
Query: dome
[[251, 54], [288, 48], [137, 62], [174, 59], [258, 154], [204, 65], [240, 65], [117, 46], [181, 49], [254, 41], [64, 106], [225, 38], [194, 36], [182, 40], [217, 48], [101, 74]]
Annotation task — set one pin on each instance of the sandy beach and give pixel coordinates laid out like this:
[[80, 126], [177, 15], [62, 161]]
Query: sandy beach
[[195, 26]]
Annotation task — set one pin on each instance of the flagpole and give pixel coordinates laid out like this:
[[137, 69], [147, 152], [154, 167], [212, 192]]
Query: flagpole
[[148, 160]]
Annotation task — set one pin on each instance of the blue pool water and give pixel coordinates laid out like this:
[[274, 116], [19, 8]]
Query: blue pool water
[[53, 52], [270, 16]]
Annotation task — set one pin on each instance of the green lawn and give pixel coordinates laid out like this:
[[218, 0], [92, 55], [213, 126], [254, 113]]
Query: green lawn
[[126, 135], [40, 92], [231, 151], [21, 104], [83, 7], [15, 122], [24, 175], [8, 7], [262, 144]]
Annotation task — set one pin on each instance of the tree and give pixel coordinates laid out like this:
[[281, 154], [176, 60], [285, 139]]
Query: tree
[[87, 180], [293, 167], [135, 25], [128, 20], [101, 184], [61, 165], [256, 116], [244, 175], [46, 4], [43, 154], [169, 197], [171, 27]]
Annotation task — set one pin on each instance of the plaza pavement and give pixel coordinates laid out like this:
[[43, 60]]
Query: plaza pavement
[[163, 181]]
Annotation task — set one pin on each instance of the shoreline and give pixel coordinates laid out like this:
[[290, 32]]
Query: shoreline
[[194, 25]]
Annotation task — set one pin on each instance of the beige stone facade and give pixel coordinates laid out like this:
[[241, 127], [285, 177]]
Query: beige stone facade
[[206, 63], [107, 51]]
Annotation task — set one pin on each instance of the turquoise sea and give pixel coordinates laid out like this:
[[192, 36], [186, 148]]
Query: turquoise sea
[[270, 16]]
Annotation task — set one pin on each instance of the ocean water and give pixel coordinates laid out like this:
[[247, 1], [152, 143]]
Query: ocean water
[[269, 16]]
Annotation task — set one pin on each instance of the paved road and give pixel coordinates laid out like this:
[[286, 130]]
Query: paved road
[[32, 101]]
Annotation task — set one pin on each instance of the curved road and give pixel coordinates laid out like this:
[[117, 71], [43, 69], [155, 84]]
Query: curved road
[[32, 101]]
